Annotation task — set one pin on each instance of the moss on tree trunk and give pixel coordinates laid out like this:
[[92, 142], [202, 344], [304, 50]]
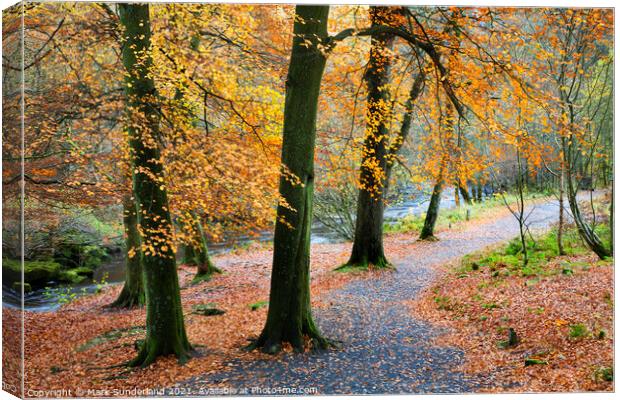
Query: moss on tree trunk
[[289, 318], [368, 239], [132, 294], [189, 255], [165, 329]]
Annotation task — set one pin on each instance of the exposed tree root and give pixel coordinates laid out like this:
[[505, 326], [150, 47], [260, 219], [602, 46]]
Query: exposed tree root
[[382, 263], [150, 350], [206, 274], [127, 300], [429, 238], [201, 278], [273, 345]]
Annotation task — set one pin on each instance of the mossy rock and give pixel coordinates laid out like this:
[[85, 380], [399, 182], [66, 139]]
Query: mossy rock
[[111, 335], [71, 276], [36, 273], [207, 310], [73, 252], [76, 275], [534, 361], [17, 286]]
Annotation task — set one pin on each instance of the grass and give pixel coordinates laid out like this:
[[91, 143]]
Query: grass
[[258, 305], [443, 303], [578, 331], [508, 260], [605, 374]]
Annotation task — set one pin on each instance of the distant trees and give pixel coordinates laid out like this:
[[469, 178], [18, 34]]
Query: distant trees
[[196, 252], [578, 145], [577, 64]]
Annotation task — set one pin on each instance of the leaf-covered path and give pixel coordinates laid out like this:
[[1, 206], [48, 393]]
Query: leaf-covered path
[[384, 350]]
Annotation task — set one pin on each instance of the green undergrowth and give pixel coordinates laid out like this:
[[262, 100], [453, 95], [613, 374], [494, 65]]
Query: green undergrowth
[[508, 260], [258, 305], [494, 266]]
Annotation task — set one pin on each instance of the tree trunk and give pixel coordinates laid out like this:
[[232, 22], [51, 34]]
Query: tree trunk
[[368, 240], [165, 329], [197, 252], [189, 255], [289, 318], [132, 294], [206, 268], [561, 216], [521, 207], [611, 222], [433, 211], [457, 198], [587, 234], [464, 193]]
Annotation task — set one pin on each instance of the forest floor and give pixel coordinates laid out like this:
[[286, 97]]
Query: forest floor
[[390, 343]]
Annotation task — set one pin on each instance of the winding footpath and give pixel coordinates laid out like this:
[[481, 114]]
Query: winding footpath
[[385, 350]]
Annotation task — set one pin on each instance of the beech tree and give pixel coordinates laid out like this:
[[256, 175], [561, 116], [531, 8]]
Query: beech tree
[[132, 294], [368, 239], [165, 329], [289, 318], [197, 251]]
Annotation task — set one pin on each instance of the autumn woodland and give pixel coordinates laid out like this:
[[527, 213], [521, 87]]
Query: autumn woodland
[[211, 199]]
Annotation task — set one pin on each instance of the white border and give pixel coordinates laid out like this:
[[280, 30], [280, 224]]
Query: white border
[[494, 3]]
